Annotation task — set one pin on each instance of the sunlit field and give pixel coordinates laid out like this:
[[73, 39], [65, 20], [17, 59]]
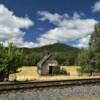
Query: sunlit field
[[29, 73]]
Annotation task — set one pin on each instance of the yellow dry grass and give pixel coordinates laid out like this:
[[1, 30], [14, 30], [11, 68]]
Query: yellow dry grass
[[29, 73]]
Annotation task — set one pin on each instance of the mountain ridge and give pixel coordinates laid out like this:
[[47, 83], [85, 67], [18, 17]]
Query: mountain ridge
[[65, 54]]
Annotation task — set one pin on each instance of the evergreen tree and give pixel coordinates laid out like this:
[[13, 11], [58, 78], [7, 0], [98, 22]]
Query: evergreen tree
[[95, 39], [89, 60]]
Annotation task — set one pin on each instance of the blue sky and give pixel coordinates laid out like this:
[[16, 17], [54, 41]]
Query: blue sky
[[32, 23]]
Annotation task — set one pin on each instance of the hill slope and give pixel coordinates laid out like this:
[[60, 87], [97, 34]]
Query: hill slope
[[65, 54], [57, 47]]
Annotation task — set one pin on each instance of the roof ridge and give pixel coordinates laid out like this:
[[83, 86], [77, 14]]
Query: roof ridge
[[44, 59]]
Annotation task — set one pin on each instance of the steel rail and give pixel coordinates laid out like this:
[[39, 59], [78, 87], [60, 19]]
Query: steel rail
[[6, 86]]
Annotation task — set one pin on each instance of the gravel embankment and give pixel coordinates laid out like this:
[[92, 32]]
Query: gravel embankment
[[55, 94]]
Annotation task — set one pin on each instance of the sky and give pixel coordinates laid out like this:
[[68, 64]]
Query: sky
[[35, 23]]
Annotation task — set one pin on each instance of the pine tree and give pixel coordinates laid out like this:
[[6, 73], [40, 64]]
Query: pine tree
[[90, 59], [95, 39]]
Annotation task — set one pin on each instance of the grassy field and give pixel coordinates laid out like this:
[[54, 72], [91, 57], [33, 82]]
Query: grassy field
[[27, 73]]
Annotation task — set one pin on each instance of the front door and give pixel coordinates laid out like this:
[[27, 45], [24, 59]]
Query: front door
[[50, 70]]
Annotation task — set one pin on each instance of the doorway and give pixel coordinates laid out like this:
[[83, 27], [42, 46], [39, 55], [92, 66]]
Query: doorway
[[50, 70]]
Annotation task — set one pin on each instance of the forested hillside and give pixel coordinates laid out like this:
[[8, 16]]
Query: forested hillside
[[65, 54]]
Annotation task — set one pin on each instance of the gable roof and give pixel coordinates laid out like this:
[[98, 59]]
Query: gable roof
[[45, 58]]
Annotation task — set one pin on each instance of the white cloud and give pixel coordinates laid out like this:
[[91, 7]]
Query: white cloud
[[67, 29], [51, 17], [96, 7], [76, 15], [10, 28], [83, 42]]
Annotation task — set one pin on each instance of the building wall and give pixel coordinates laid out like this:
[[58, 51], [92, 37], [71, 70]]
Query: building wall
[[45, 69]]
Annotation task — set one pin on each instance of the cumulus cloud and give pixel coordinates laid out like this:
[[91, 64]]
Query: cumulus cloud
[[10, 28], [67, 28], [83, 42], [96, 7]]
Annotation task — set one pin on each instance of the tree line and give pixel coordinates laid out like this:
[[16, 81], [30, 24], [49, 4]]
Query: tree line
[[64, 54]]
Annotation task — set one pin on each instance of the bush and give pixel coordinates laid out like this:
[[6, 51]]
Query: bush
[[63, 71]]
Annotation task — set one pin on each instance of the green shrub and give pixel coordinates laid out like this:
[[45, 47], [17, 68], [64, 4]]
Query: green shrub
[[63, 71]]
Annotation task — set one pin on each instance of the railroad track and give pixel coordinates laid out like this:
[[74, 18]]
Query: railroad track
[[7, 86]]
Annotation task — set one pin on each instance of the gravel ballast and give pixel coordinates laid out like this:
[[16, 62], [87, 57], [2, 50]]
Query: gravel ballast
[[55, 93]]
